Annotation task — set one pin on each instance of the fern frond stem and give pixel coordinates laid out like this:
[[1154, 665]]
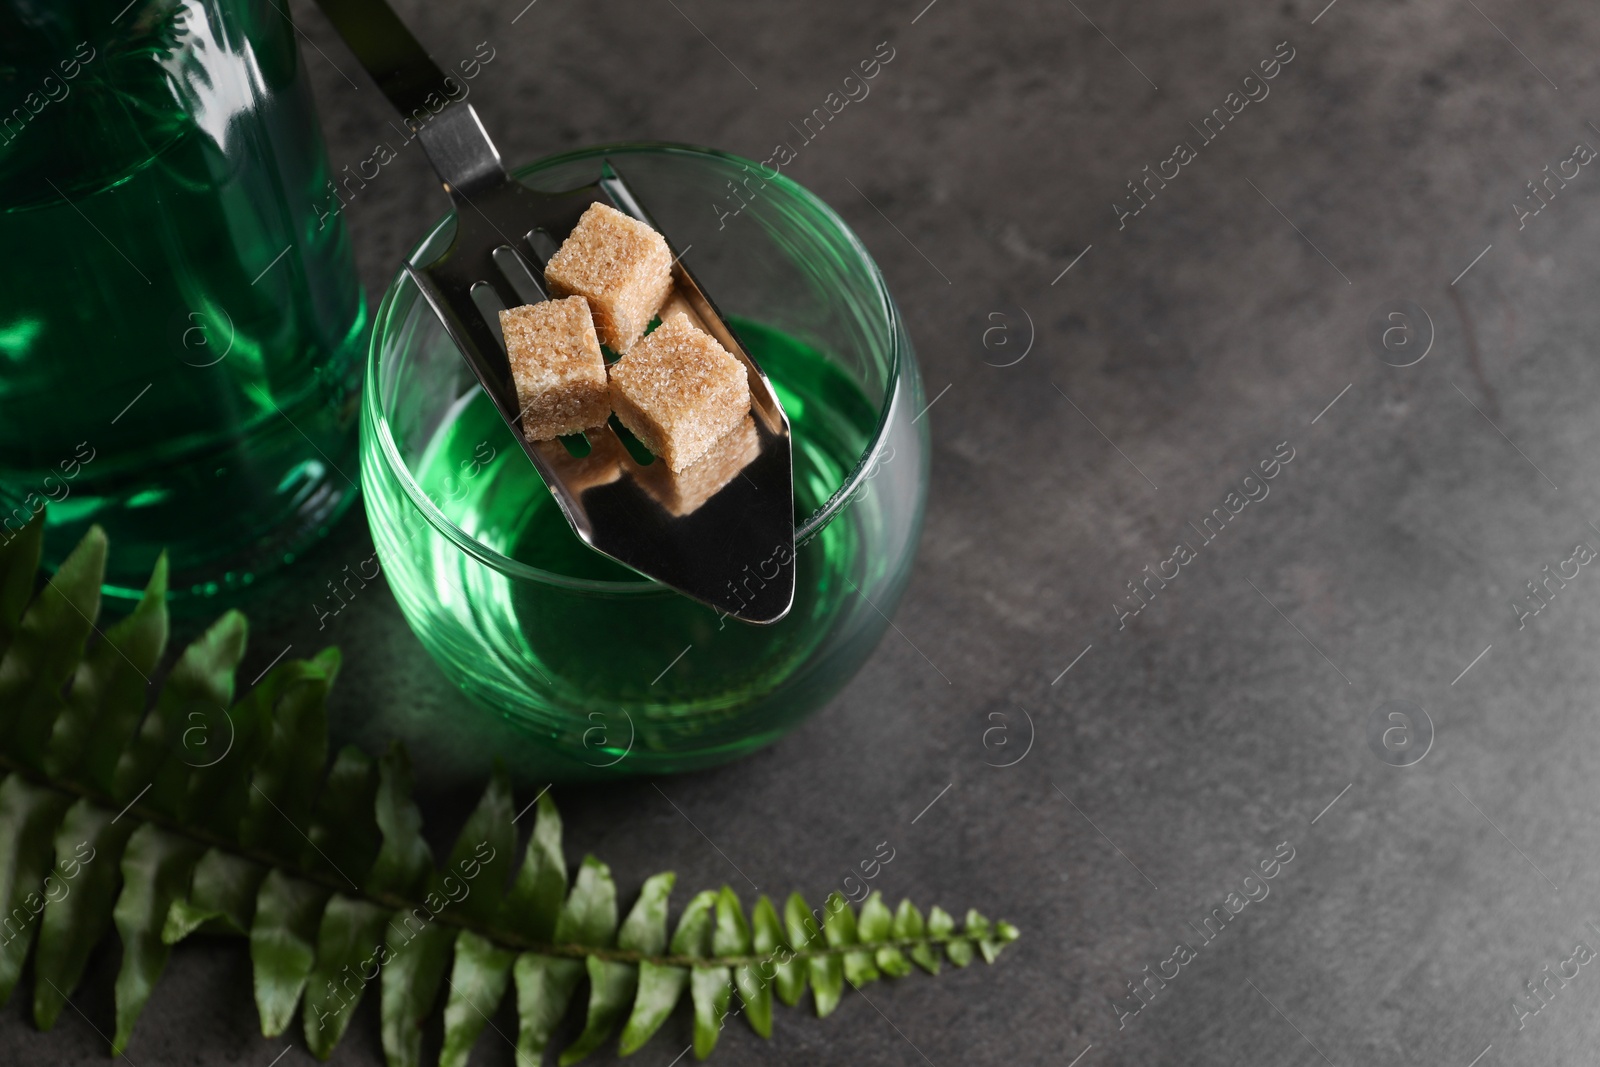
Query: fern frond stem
[[507, 939]]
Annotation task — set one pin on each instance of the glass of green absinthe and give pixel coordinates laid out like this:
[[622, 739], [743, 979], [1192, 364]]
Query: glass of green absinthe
[[180, 333], [611, 673]]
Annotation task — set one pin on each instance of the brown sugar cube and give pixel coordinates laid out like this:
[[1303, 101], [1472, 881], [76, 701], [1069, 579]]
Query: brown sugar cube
[[620, 265], [602, 466], [682, 492], [557, 365], [677, 305], [679, 391]]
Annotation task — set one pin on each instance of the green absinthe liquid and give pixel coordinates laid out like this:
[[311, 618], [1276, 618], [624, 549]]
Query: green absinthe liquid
[[544, 647], [179, 339]]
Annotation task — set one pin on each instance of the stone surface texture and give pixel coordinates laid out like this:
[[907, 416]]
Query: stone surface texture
[[1082, 419]]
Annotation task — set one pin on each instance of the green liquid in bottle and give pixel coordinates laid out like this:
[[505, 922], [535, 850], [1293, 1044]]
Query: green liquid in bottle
[[179, 333]]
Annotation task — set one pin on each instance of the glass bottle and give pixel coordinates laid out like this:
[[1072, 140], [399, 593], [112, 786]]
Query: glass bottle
[[181, 328]]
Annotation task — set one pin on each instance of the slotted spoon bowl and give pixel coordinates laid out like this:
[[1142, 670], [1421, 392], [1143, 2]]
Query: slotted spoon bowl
[[505, 232]]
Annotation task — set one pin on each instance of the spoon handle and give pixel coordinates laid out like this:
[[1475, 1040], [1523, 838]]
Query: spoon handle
[[452, 135], [388, 51]]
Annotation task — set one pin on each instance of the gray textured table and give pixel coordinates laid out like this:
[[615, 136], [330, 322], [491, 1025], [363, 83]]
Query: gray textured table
[[1226, 319]]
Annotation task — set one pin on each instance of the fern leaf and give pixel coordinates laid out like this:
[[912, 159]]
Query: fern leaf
[[404, 860], [412, 974], [284, 935], [711, 993], [534, 903], [841, 931], [352, 939], [288, 769], [730, 936], [545, 984], [908, 926], [479, 975], [19, 566], [357, 935], [827, 969], [109, 691], [28, 817], [46, 648], [611, 991], [473, 882], [589, 917], [221, 898], [481, 971], [661, 985], [755, 981], [709, 989], [645, 929], [941, 926], [612, 986], [283, 946], [876, 923], [350, 943], [479, 865], [157, 761], [342, 819], [210, 814], [88, 852], [793, 972], [156, 866]]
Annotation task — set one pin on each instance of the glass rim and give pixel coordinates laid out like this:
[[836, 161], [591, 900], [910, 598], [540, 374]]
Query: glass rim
[[372, 403]]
